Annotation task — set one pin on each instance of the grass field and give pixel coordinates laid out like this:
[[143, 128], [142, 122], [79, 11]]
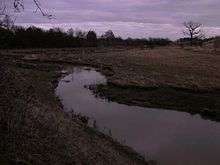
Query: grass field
[[189, 69], [37, 131], [166, 66]]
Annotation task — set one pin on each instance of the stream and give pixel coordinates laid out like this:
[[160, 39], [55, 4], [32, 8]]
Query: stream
[[169, 137]]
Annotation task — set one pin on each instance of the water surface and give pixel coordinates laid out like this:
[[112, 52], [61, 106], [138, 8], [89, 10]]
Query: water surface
[[170, 137]]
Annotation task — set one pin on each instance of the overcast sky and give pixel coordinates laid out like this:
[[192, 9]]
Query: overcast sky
[[134, 18]]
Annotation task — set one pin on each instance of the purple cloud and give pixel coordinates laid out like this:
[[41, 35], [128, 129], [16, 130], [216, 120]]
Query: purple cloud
[[137, 18]]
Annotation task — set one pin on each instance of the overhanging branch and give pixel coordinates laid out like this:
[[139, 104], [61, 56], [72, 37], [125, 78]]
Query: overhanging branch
[[19, 5]]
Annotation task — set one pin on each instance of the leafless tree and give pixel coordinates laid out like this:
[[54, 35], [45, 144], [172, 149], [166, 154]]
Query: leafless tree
[[193, 30], [5, 19], [80, 34], [71, 32], [108, 35], [19, 6], [6, 22], [2, 10]]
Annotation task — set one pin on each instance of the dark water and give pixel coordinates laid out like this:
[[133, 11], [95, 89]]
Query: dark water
[[170, 137]]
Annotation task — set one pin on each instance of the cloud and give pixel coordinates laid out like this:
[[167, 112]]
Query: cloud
[[162, 17], [128, 29]]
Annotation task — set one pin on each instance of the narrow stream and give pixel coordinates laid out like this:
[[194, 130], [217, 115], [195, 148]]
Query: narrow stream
[[169, 137]]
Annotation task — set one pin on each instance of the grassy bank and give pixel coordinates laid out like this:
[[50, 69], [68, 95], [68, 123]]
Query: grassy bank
[[207, 104], [35, 130], [186, 79]]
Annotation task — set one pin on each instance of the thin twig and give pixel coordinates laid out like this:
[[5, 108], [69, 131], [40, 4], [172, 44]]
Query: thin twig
[[37, 3], [19, 5]]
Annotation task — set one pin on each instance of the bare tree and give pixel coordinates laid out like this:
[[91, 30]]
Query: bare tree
[[71, 32], [6, 22], [2, 10], [108, 35], [19, 6], [5, 19], [80, 34], [193, 30]]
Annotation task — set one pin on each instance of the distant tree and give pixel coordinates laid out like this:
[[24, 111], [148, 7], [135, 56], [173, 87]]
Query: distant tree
[[70, 32], [6, 38], [217, 44], [108, 35], [108, 38], [91, 38], [193, 30], [6, 22], [33, 37], [80, 34]]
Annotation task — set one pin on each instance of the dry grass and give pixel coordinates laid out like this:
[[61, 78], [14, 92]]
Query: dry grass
[[33, 127], [35, 130], [166, 66]]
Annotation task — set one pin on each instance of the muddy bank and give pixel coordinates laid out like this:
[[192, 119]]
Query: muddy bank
[[34, 128], [205, 103]]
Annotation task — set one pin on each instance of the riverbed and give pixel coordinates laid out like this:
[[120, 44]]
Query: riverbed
[[167, 136]]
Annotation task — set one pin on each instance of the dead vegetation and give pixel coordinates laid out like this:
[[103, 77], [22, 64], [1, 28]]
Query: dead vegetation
[[35, 130], [187, 68]]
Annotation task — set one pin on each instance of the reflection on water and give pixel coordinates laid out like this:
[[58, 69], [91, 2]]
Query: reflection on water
[[170, 137]]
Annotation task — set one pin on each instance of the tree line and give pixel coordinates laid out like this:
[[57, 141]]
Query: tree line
[[19, 37], [34, 37]]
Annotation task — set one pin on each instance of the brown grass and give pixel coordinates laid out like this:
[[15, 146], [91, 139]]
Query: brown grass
[[35, 130], [189, 68]]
